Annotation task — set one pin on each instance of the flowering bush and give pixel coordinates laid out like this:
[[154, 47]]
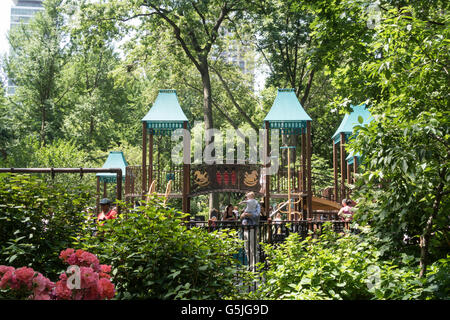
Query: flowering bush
[[25, 283], [92, 280], [94, 283]]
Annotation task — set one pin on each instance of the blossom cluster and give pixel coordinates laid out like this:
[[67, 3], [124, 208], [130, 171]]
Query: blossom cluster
[[25, 282], [93, 280]]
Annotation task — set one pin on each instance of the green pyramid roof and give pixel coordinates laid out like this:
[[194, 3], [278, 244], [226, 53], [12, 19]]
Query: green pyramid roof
[[287, 113], [350, 158], [351, 120], [166, 114], [115, 159]]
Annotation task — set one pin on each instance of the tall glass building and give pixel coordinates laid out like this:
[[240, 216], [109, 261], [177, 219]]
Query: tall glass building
[[21, 12]]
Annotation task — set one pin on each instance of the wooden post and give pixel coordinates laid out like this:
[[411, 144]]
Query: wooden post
[[267, 165], [150, 157], [349, 173], [98, 195], [119, 188], [269, 225], [335, 169], [186, 170], [355, 168], [342, 151], [289, 181], [144, 159], [308, 157], [304, 175], [105, 191]]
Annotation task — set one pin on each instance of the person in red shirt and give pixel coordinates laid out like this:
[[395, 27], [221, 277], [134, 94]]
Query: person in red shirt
[[106, 212]]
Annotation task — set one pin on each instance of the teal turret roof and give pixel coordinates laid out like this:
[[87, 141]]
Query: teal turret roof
[[287, 113], [115, 159], [166, 114], [351, 156], [351, 120]]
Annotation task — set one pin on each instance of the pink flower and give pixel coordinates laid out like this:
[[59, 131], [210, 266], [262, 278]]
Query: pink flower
[[63, 276], [105, 268], [79, 253], [62, 292], [5, 281], [92, 293], [41, 296], [42, 285], [88, 259], [89, 278], [39, 283], [105, 288], [104, 275], [65, 254], [72, 260], [5, 269], [25, 275]]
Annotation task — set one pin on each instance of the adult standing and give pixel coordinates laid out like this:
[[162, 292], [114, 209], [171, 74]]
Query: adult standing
[[251, 232]]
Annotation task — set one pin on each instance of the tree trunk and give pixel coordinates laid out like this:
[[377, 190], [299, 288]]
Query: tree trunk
[[43, 122], [307, 89], [208, 118]]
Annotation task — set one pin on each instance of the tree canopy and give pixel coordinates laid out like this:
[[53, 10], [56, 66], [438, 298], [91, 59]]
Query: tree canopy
[[86, 72]]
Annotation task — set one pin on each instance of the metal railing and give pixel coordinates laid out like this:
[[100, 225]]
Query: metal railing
[[271, 232]]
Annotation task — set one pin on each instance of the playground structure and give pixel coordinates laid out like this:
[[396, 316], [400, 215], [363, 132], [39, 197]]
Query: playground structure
[[293, 183], [360, 115]]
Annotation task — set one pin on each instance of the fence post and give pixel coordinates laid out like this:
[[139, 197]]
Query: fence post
[[269, 225]]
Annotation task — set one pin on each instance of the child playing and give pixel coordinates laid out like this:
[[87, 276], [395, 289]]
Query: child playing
[[346, 212], [251, 207]]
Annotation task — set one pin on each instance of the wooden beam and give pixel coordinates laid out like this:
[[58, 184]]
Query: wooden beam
[[186, 171], [150, 158], [105, 189], [144, 159], [267, 166], [335, 170], [304, 175], [342, 154], [349, 173], [308, 157], [98, 196]]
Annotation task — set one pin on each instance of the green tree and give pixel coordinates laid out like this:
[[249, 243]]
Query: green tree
[[404, 189], [100, 111], [196, 27], [5, 128], [39, 52]]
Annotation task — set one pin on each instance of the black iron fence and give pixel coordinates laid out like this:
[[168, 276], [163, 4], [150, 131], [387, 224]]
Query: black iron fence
[[271, 232]]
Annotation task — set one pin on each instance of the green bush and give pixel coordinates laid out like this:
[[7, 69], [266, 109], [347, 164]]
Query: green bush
[[153, 255], [344, 267], [37, 221]]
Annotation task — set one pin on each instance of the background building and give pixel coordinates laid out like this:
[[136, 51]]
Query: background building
[[238, 53], [21, 12]]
